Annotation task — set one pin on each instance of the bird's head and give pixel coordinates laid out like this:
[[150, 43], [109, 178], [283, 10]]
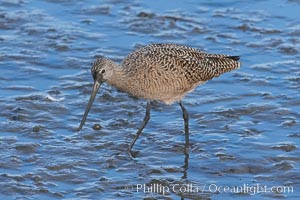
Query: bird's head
[[102, 70]]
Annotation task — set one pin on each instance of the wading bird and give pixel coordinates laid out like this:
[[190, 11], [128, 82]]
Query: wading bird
[[160, 72]]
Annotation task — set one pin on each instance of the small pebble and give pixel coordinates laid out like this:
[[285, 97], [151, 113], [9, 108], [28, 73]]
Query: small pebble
[[36, 129], [97, 127]]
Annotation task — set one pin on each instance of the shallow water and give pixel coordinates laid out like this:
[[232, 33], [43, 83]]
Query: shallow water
[[244, 125]]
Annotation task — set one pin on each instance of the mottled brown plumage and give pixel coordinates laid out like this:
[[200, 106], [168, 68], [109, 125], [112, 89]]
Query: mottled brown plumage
[[163, 72]]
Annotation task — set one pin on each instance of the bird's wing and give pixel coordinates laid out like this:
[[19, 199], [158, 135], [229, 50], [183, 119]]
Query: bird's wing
[[193, 64]]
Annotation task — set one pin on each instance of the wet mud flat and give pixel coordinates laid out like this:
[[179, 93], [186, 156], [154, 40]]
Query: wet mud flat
[[244, 126]]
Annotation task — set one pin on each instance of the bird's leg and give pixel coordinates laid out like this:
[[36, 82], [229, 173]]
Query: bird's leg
[[144, 123], [185, 166], [185, 116]]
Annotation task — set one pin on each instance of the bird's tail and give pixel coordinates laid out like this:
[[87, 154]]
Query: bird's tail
[[236, 58], [220, 63]]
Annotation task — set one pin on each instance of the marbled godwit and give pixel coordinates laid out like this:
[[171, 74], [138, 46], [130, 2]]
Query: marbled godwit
[[162, 72]]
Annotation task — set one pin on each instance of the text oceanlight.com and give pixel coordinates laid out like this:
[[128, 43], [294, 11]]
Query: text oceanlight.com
[[209, 188]]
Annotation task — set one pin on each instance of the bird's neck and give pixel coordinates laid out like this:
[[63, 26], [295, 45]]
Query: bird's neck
[[118, 79]]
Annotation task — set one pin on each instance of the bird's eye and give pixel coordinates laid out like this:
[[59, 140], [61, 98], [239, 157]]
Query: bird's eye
[[102, 71]]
